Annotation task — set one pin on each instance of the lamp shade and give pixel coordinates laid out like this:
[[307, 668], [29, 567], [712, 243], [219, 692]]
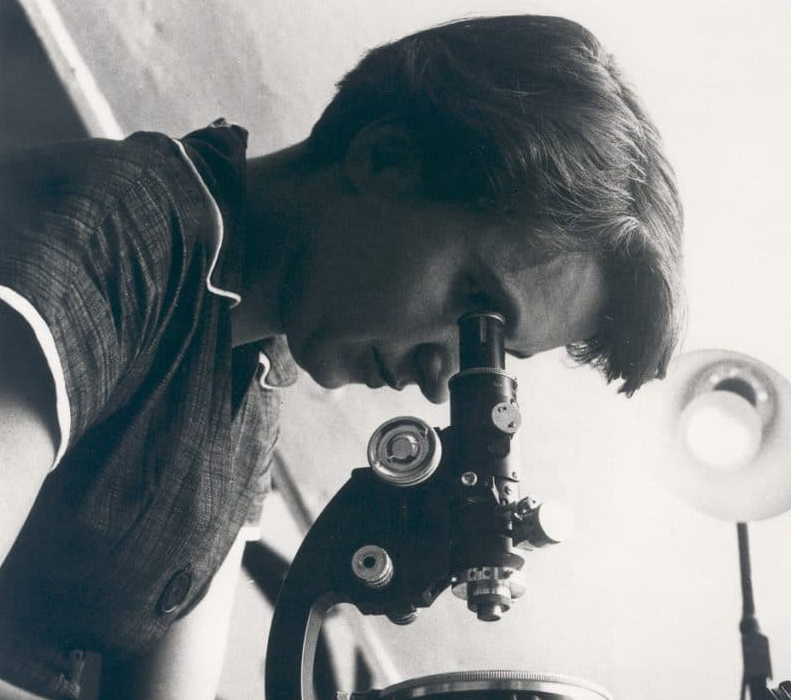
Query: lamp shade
[[719, 432]]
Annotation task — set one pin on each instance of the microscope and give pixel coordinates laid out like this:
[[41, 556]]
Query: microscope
[[435, 509]]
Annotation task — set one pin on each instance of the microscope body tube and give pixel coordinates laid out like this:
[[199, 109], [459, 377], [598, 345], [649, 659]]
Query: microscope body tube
[[484, 469]]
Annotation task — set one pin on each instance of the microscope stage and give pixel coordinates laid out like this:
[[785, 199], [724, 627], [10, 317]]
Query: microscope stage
[[494, 685]]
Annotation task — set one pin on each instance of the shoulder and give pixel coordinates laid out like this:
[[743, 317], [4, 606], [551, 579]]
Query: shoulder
[[91, 177], [94, 204]]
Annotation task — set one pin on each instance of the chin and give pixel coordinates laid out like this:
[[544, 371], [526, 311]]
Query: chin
[[329, 363], [326, 375], [329, 383]]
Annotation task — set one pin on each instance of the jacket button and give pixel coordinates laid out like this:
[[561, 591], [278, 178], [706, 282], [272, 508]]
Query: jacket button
[[175, 591]]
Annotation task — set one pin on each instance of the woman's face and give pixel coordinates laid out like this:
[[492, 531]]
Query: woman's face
[[375, 301]]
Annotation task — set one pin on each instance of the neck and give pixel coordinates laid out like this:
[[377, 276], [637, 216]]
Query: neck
[[280, 187]]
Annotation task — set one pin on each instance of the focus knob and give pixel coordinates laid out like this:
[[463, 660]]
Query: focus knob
[[404, 451]]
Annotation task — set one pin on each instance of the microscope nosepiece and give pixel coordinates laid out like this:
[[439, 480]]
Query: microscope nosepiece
[[489, 590]]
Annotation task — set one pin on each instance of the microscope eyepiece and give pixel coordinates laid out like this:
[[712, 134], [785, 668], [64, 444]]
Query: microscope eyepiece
[[481, 340]]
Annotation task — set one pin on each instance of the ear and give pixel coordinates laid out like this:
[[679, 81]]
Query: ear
[[383, 161]]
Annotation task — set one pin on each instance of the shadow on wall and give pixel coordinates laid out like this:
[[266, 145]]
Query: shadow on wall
[[34, 107]]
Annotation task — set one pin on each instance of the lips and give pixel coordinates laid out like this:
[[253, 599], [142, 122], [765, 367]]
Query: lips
[[387, 375]]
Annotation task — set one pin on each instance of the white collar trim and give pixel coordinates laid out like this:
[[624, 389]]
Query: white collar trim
[[218, 230]]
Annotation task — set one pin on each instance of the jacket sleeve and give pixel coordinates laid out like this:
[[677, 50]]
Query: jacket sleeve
[[89, 235]]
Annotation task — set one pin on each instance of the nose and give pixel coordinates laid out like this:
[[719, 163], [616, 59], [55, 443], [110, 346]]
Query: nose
[[435, 364]]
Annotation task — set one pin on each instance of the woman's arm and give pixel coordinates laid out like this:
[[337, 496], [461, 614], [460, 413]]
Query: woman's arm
[[188, 661], [28, 424]]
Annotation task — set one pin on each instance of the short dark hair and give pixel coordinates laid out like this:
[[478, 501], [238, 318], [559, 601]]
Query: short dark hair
[[529, 116]]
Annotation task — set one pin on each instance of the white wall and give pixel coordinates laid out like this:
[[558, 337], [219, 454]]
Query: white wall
[[645, 600]]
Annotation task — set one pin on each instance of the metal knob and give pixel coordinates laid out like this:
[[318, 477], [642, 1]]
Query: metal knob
[[540, 524], [373, 566], [404, 451]]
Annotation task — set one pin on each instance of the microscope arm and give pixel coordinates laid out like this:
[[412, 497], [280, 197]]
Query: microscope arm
[[409, 524]]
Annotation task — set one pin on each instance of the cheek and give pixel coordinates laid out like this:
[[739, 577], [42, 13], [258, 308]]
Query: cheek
[[397, 287], [379, 291]]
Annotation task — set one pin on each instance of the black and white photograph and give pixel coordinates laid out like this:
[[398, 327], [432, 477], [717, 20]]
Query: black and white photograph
[[395, 350]]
